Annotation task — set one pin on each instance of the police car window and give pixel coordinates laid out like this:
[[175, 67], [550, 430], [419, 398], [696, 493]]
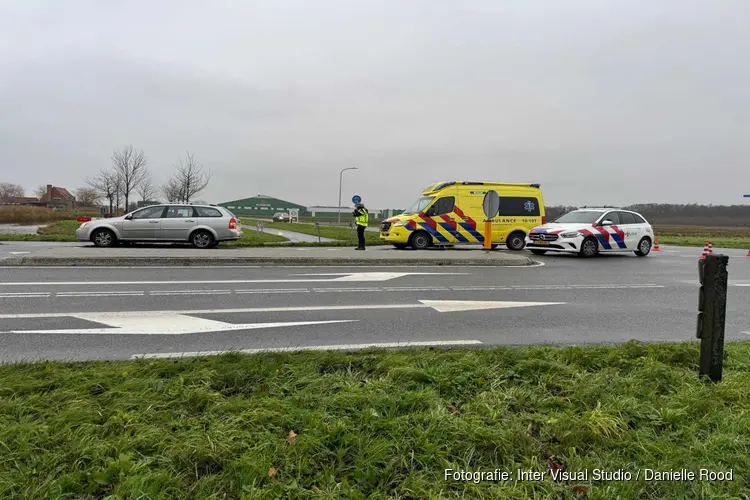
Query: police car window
[[519, 206], [638, 219], [613, 217], [443, 206], [579, 217], [626, 218]]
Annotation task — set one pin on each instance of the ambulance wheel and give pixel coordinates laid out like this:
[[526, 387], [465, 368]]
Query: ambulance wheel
[[400, 246], [538, 252], [644, 247], [420, 240], [516, 241], [589, 247]]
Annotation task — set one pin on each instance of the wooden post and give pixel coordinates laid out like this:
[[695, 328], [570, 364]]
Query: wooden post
[[712, 308]]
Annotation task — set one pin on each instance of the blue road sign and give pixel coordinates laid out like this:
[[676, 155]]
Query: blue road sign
[[356, 198]]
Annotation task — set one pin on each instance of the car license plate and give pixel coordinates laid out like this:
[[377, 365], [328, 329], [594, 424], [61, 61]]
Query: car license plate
[[542, 242]]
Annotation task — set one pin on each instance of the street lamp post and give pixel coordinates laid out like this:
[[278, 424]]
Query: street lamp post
[[341, 180]]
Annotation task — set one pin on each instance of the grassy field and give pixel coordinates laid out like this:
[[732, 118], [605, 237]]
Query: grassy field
[[376, 424], [332, 232], [720, 237]]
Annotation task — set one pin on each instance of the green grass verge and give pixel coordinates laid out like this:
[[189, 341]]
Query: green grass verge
[[335, 233], [695, 241], [720, 237], [375, 424]]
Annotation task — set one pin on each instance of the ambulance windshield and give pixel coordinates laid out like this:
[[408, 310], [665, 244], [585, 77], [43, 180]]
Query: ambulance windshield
[[419, 205]]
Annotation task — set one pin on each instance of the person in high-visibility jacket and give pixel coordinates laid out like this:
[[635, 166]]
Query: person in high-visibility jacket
[[362, 218]]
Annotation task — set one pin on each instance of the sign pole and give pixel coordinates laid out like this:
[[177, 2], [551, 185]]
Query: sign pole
[[488, 234], [491, 207]]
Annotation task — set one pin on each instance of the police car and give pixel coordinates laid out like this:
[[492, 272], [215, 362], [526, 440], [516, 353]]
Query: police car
[[588, 231]]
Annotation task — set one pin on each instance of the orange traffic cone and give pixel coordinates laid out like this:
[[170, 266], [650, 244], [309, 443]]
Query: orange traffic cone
[[748, 253], [710, 248], [656, 245], [705, 251]]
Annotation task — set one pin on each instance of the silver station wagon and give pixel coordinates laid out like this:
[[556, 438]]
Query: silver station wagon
[[204, 226]]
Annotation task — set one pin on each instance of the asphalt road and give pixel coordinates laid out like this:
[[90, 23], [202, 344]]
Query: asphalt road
[[184, 310]]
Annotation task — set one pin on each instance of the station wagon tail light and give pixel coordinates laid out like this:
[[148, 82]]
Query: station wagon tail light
[[544, 219], [232, 223]]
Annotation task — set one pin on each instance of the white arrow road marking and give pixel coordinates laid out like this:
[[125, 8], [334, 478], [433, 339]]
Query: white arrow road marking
[[475, 305], [160, 323], [348, 277], [437, 305], [342, 347]]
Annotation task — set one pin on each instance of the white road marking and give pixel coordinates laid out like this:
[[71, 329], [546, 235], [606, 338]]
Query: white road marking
[[163, 323], [261, 291], [348, 277], [341, 347], [24, 295], [18, 253], [438, 305]]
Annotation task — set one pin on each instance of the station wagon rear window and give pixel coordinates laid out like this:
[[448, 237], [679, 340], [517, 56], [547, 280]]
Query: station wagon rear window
[[207, 212]]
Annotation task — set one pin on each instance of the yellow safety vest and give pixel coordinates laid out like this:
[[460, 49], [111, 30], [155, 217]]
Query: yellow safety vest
[[363, 218]]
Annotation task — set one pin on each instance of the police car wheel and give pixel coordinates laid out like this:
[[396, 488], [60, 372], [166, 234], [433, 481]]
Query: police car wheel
[[420, 240], [644, 247], [589, 247], [516, 241]]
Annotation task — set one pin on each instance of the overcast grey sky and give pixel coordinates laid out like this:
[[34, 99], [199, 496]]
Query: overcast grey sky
[[599, 101]]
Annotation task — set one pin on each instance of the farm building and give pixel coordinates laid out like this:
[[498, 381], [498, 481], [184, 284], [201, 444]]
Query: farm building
[[261, 205]]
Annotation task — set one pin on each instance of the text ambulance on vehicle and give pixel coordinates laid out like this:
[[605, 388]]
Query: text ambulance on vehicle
[[588, 231], [450, 213]]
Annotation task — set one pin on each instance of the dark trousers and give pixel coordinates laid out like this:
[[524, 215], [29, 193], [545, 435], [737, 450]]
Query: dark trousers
[[361, 236]]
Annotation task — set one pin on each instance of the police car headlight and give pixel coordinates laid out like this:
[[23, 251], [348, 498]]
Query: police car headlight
[[570, 235], [399, 224]]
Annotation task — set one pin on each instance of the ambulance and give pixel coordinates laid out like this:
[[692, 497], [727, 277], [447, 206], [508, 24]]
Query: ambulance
[[450, 213]]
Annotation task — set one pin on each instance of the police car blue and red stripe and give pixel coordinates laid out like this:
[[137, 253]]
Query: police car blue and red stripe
[[589, 231]]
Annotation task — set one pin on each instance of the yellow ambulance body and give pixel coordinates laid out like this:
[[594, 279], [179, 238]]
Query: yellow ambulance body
[[450, 213]]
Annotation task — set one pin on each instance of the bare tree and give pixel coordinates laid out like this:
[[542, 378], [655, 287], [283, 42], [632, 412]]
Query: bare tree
[[131, 166], [171, 190], [106, 184], [147, 190], [9, 190], [88, 196], [40, 192], [191, 177]]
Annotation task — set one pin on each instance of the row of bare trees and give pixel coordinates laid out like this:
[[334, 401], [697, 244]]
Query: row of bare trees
[[129, 175]]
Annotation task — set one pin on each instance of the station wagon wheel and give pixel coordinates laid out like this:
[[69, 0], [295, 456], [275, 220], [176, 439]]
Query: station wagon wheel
[[202, 239], [103, 238], [589, 247], [420, 240], [644, 247], [515, 241]]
